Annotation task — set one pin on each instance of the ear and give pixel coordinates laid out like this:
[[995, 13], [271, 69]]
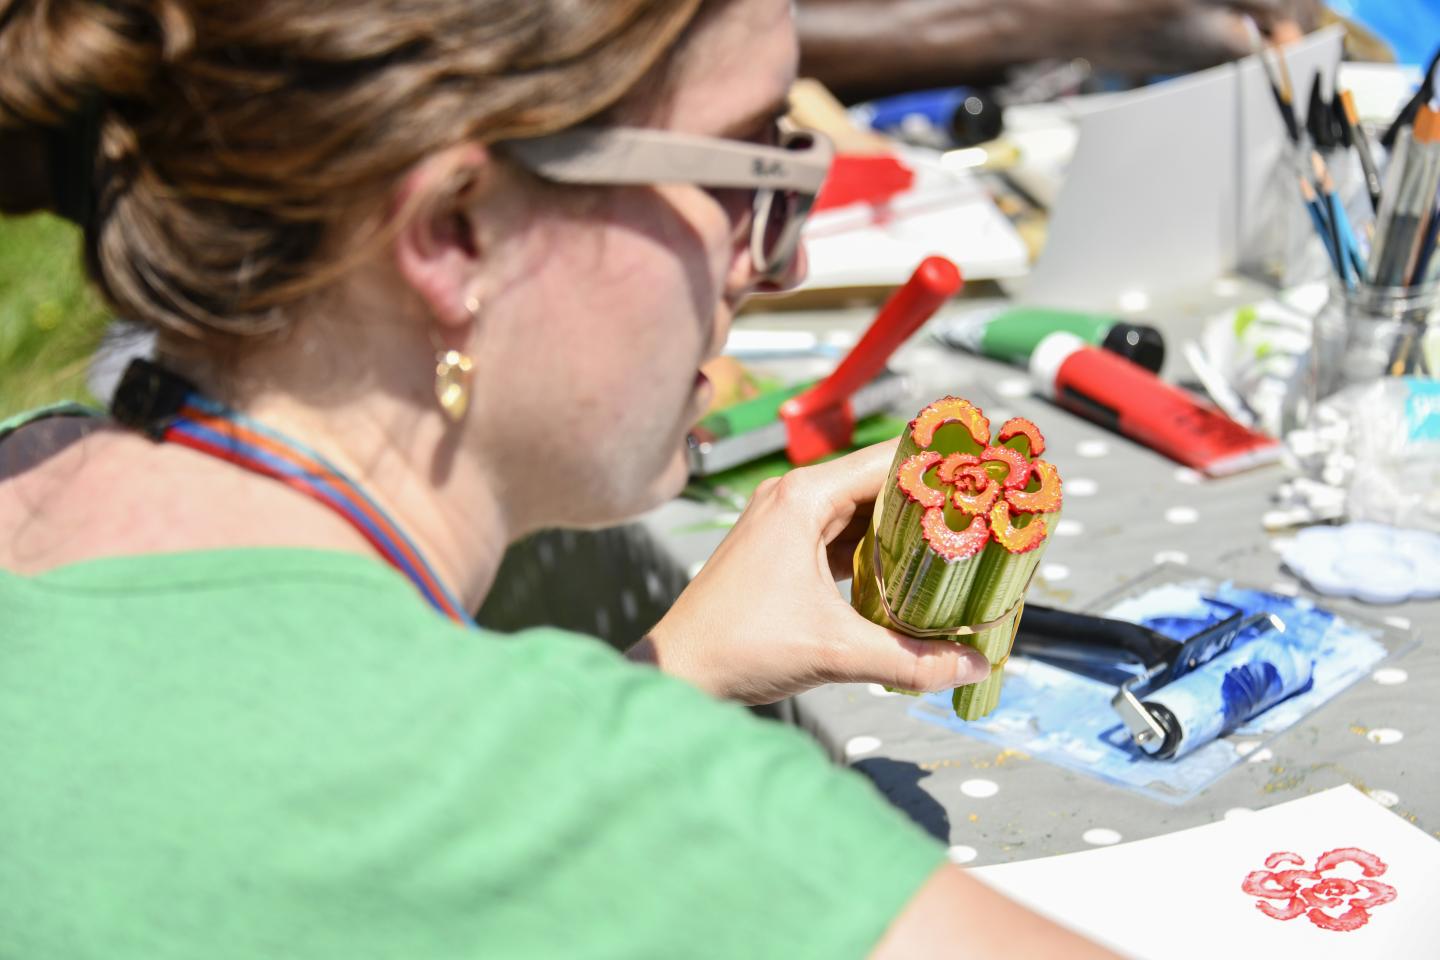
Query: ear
[[438, 247]]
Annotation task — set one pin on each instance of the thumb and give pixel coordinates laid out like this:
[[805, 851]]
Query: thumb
[[873, 654]]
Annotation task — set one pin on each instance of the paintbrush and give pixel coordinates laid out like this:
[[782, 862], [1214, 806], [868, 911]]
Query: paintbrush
[[1406, 118], [1326, 212], [1429, 184], [1346, 245], [1321, 222], [1279, 81], [1361, 141], [1406, 201]]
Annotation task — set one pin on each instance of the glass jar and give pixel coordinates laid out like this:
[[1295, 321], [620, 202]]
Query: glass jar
[[1366, 333]]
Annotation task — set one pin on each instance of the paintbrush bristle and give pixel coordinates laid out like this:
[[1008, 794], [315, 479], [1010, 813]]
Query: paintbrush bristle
[[1322, 173], [1427, 125]]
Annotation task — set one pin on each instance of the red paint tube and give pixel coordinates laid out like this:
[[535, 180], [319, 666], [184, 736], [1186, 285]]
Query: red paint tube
[[1132, 401]]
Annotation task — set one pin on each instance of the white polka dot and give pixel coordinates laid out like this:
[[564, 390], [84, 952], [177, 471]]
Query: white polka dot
[[1385, 736], [1172, 556], [1389, 676], [859, 746], [1182, 515], [1013, 387], [1134, 301], [877, 690], [1399, 622], [653, 587], [979, 789], [962, 854], [629, 605], [1101, 836], [1187, 476], [1234, 813], [1069, 528], [1261, 756], [1092, 449], [1246, 747], [1080, 487], [1055, 572], [1385, 798], [602, 622], [695, 569]]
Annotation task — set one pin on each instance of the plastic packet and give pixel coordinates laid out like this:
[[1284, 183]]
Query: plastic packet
[[1394, 438]]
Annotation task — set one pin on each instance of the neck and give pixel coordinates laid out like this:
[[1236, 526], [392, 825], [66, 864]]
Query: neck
[[404, 459]]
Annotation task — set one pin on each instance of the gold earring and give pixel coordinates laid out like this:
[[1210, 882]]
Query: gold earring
[[453, 370]]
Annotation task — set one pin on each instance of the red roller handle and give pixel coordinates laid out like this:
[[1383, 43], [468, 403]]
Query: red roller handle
[[933, 282]]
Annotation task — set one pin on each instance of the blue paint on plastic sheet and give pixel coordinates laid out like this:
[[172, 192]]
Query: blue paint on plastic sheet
[[1065, 718]]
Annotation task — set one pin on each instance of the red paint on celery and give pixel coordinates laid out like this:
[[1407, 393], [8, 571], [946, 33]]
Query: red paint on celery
[[950, 544], [1045, 500], [1017, 468], [1015, 426], [950, 410], [1013, 538], [910, 478]]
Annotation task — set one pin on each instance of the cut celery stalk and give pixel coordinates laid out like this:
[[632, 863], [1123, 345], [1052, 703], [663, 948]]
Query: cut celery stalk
[[957, 543]]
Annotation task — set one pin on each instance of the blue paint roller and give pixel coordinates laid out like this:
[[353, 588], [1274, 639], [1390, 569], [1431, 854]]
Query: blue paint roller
[[1191, 692]]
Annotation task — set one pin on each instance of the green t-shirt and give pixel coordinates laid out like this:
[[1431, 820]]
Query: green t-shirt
[[285, 753]]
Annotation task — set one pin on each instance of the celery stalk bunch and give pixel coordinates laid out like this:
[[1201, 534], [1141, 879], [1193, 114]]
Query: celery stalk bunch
[[958, 533]]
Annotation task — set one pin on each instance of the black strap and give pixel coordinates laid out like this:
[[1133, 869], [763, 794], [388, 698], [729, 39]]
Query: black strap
[[149, 397]]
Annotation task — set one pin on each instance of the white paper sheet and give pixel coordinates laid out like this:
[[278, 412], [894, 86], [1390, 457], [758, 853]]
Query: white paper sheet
[[1180, 896], [946, 212]]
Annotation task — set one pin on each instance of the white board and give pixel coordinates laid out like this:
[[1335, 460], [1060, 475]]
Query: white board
[[947, 212], [1183, 896]]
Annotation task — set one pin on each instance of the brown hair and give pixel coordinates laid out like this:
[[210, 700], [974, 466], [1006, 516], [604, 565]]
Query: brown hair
[[228, 137]]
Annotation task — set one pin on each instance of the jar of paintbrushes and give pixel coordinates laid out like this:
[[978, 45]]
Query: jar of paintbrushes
[[1367, 332]]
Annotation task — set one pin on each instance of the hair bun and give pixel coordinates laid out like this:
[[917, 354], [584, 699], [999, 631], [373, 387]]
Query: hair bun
[[61, 58]]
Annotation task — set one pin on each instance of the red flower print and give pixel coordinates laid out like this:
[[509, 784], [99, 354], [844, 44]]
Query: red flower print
[[1331, 903]]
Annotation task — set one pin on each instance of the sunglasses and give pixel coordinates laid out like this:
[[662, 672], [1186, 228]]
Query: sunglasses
[[782, 180]]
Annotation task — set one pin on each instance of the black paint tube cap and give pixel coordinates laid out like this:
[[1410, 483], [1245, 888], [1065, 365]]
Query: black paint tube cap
[[1137, 343]]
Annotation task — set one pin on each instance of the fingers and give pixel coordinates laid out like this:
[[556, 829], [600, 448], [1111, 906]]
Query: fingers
[[872, 654]]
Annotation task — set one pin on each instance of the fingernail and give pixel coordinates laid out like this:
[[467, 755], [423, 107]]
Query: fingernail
[[973, 668]]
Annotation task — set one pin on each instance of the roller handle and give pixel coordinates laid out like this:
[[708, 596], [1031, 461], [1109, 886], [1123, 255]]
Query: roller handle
[[933, 282], [1047, 632]]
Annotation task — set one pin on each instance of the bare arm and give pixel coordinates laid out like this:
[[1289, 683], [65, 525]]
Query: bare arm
[[863, 48], [955, 915]]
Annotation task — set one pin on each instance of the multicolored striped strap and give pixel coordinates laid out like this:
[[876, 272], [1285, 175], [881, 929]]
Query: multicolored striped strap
[[206, 426]]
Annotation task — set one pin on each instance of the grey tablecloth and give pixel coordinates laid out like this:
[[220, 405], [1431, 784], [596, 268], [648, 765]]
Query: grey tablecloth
[[1128, 508]]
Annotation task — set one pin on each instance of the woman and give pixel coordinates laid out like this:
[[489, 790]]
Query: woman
[[234, 718]]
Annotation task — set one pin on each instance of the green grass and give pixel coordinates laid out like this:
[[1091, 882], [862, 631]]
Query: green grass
[[50, 319]]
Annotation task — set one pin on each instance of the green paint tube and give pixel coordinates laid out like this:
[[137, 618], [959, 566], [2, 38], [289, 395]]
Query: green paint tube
[[1011, 333]]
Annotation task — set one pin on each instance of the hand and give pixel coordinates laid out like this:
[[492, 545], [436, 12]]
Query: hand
[[763, 619]]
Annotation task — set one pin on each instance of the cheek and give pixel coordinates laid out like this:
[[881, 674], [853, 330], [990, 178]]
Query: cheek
[[611, 316]]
